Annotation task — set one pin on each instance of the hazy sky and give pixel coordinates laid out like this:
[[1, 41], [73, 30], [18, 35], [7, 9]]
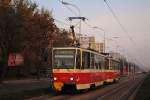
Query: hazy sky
[[134, 15]]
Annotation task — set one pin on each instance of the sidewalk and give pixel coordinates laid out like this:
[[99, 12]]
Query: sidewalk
[[11, 86], [29, 80]]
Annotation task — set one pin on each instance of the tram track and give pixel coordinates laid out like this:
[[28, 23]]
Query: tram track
[[112, 92], [97, 94], [60, 97], [100, 92], [132, 92], [122, 90]]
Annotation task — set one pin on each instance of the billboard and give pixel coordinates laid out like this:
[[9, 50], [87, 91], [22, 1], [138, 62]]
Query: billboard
[[15, 59]]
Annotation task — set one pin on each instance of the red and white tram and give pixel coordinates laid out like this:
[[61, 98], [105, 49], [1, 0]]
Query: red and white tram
[[77, 68]]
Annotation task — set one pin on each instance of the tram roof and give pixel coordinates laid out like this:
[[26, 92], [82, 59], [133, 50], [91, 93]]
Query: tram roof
[[88, 50]]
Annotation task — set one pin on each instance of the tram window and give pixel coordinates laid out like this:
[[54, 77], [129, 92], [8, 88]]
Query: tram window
[[118, 65], [107, 64], [92, 61], [85, 60], [101, 62], [78, 59], [111, 65], [97, 61], [63, 59], [100, 66], [97, 65], [115, 66]]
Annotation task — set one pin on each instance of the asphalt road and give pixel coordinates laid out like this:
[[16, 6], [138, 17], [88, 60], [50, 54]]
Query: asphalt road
[[12, 86], [105, 92]]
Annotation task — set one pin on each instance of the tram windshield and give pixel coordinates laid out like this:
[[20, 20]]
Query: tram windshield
[[63, 59]]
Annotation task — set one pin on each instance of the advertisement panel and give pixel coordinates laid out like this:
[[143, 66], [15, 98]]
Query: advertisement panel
[[15, 59]]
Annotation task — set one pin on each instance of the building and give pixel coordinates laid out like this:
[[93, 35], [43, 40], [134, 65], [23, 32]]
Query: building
[[99, 47], [84, 41], [90, 43]]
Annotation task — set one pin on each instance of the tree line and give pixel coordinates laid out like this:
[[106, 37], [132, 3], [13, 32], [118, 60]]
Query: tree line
[[30, 31]]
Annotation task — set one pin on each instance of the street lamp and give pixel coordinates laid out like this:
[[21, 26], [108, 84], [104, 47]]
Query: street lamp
[[95, 27], [76, 7]]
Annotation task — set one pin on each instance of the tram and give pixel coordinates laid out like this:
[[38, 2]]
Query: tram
[[78, 68]]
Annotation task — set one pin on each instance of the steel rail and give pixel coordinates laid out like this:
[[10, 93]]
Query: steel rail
[[121, 87]]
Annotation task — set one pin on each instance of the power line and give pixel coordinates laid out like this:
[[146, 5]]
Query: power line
[[90, 26], [126, 53], [120, 24], [118, 21]]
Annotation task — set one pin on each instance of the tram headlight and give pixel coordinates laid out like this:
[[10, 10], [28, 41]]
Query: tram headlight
[[71, 78], [55, 78]]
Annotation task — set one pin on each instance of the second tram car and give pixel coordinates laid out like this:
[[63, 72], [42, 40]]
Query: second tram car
[[77, 68]]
